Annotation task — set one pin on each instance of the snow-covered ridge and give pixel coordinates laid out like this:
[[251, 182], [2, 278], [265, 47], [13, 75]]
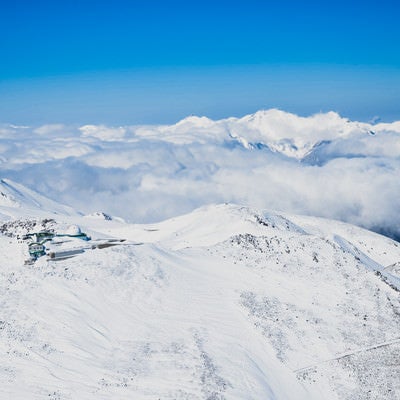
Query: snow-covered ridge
[[225, 302], [323, 165], [282, 132], [16, 198], [272, 128]]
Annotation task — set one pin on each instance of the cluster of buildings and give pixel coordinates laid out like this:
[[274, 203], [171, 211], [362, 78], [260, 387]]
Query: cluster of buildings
[[37, 241]]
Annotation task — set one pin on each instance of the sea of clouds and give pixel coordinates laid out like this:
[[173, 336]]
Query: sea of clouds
[[322, 165]]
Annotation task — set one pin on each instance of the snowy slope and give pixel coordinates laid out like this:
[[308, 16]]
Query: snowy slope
[[17, 200], [226, 302]]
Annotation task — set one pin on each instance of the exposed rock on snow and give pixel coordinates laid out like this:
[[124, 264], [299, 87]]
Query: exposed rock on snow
[[99, 215]]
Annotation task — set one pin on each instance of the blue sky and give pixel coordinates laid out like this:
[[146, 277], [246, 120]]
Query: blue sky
[[126, 62]]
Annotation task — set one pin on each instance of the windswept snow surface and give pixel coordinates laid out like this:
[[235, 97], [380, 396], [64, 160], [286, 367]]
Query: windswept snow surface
[[322, 165], [16, 201], [226, 302]]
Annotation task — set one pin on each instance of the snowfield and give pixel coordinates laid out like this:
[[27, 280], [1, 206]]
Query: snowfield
[[226, 302]]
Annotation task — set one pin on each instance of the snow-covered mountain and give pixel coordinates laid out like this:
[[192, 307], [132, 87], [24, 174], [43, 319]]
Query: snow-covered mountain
[[226, 302], [322, 165], [284, 133], [17, 200]]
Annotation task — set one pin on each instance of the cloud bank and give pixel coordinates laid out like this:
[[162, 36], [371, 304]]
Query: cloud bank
[[322, 165]]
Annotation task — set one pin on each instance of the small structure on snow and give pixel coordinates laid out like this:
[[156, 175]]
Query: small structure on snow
[[37, 240], [74, 231], [36, 250]]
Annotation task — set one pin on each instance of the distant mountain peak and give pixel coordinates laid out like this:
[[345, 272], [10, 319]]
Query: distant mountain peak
[[195, 121]]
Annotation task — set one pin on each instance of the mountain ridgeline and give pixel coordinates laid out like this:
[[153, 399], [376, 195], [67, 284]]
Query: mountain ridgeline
[[226, 302], [322, 165]]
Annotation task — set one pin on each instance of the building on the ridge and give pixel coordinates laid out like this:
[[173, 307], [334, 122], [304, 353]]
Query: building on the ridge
[[36, 250]]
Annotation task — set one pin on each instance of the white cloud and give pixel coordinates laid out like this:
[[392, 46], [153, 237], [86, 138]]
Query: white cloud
[[49, 129], [102, 132], [323, 165]]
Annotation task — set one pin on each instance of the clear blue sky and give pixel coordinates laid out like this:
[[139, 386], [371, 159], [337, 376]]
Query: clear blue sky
[[124, 62]]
